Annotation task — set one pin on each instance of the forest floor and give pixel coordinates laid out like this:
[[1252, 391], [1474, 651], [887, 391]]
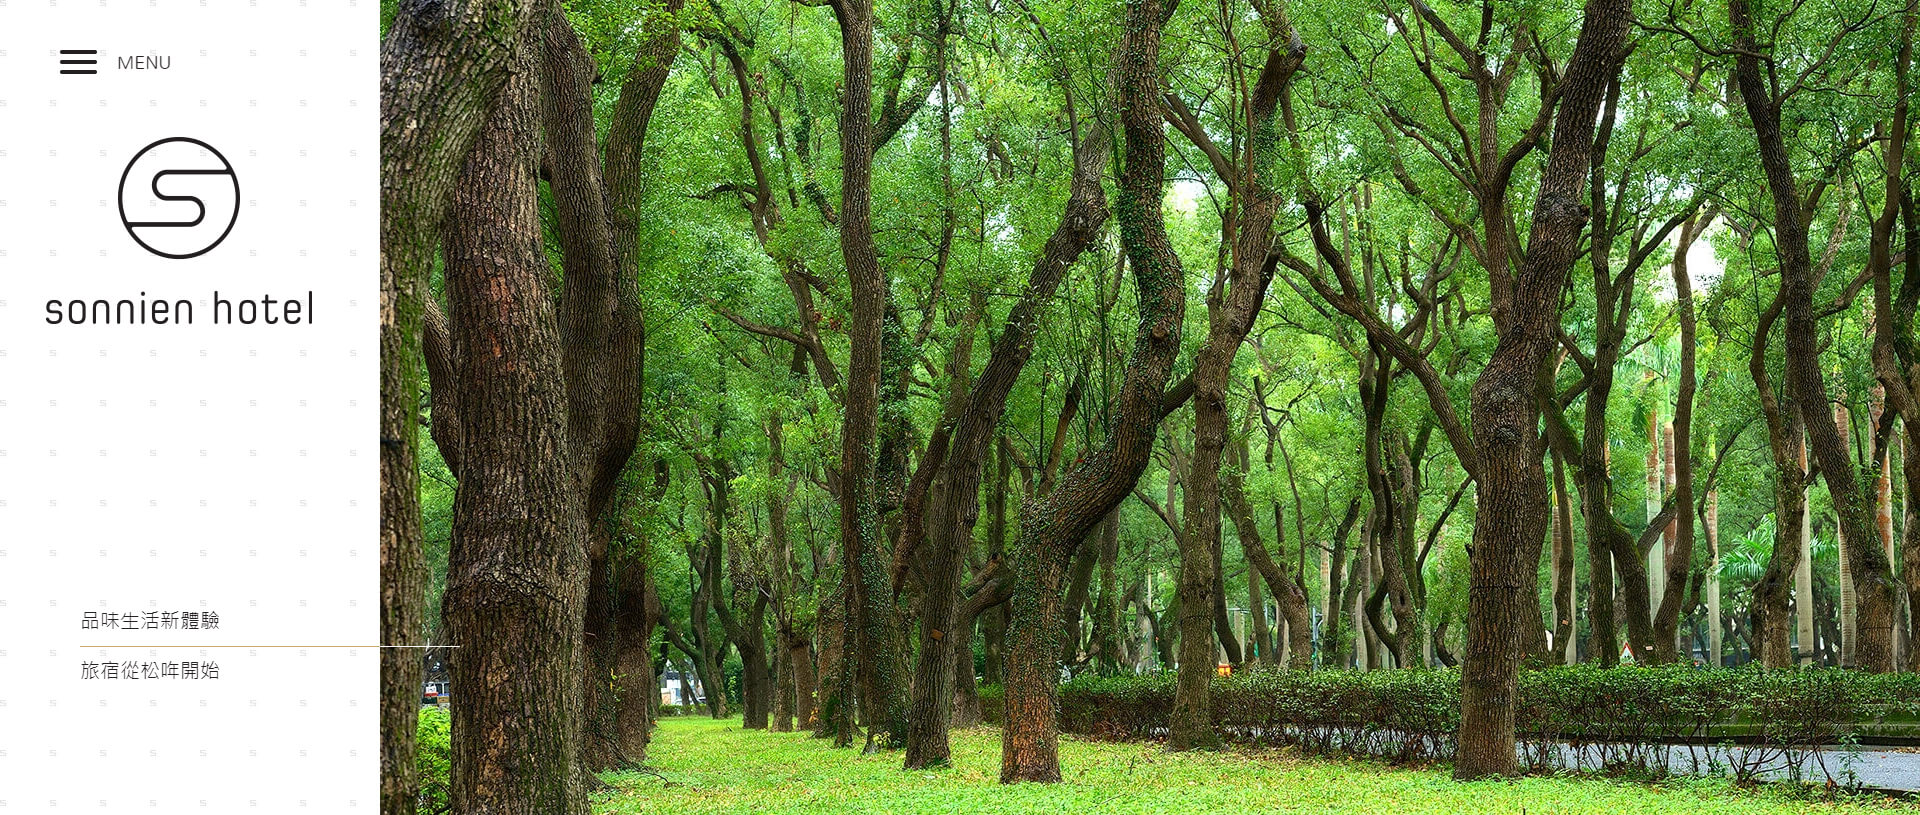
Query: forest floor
[[701, 765]]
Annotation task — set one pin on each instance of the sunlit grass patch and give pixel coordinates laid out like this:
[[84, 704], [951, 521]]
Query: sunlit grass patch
[[704, 766]]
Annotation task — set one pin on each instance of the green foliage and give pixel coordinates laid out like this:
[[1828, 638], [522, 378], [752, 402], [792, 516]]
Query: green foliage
[[433, 758], [1622, 720]]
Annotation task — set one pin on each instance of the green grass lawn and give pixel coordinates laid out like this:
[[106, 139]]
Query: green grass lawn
[[709, 766]]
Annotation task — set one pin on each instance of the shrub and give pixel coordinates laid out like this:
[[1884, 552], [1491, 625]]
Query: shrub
[[1628, 720], [993, 699], [433, 756]]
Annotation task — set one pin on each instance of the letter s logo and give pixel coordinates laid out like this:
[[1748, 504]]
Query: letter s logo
[[179, 198]]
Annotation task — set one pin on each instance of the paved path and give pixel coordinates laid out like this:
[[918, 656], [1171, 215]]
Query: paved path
[[1879, 767], [1887, 768]]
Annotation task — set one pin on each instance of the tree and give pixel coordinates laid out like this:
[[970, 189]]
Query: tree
[[1231, 307], [441, 65], [1052, 528], [1764, 101]]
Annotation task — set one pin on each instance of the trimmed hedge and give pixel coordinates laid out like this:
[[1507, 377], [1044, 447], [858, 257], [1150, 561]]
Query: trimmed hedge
[[1627, 720]]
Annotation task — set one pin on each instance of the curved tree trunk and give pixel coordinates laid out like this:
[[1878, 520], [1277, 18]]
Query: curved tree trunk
[[1680, 462], [1056, 524], [1289, 595], [442, 66], [1869, 569], [1511, 488], [1230, 316], [953, 503], [516, 573]]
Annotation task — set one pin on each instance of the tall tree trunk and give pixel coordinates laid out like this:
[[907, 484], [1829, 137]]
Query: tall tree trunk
[[872, 620], [516, 585], [1680, 460], [1511, 486], [636, 684], [1563, 588], [1896, 354], [442, 66], [1870, 571], [1231, 310], [953, 503], [1054, 525]]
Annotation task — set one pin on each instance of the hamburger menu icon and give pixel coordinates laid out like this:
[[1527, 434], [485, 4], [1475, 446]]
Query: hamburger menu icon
[[179, 198]]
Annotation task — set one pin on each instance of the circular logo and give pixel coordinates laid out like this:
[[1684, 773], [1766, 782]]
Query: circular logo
[[179, 198]]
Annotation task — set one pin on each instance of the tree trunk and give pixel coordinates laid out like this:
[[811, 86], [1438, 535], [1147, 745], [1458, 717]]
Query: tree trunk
[[516, 585], [1108, 643], [1563, 589], [953, 499], [442, 66], [635, 682], [1289, 595], [991, 596], [1511, 488], [835, 710], [1079, 582], [1869, 569], [1680, 462], [756, 675], [1056, 523], [872, 620]]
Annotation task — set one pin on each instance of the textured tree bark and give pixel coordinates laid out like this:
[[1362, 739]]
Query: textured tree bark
[[782, 718], [1054, 525], [1910, 454], [1511, 489], [1191, 722], [1872, 576], [953, 504], [872, 620], [516, 573], [1772, 596], [602, 333], [636, 684], [806, 683], [1896, 354], [756, 676], [834, 719], [442, 65]]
